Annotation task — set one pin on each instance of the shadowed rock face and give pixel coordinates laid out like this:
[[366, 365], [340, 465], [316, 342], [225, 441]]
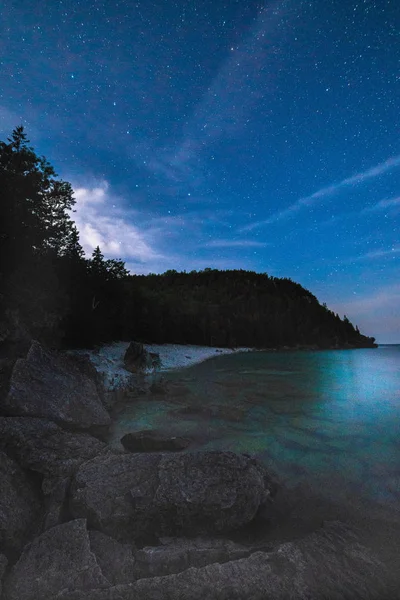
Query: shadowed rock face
[[42, 446], [19, 506], [153, 441], [58, 387], [328, 564], [128, 496], [3, 566], [58, 559]]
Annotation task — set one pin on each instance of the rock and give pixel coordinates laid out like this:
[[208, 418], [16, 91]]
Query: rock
[[178, 554], [58, 387], [19, 507], [155, 360], [328, 564], [42, 446], [3, 567], [59, 559], [153, 441], [56, 506], [131, 495], [101, 492], [136, 358], [116, 560]]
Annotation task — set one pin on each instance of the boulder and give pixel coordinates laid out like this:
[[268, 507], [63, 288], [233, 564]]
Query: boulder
[[116, 560], [58, 387], [329, 564], [3, 567], [178, 554], [153, 441], [55, 491], [134, 495], [42, 446], [20, 507], [136, 358], [59, 559]]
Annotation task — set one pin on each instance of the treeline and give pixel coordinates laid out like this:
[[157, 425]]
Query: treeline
[[235, 308], [50, 291]]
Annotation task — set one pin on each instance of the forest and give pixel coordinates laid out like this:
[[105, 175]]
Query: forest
[[50, 291]]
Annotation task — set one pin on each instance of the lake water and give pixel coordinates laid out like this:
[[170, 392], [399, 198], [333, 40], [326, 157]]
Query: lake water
[[331, 419]]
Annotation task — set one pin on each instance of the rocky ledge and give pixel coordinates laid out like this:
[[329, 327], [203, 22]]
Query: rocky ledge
[[80, 520]]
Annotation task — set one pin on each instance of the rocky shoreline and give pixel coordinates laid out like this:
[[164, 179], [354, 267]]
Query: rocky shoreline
[[82, 520]]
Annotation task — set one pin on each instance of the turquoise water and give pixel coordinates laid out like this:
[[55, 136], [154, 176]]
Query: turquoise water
[[331, 419]]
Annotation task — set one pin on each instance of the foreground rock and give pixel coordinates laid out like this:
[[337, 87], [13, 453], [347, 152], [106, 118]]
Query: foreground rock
[[19, 506], [117, 561], [178, 554], [153, 441], [329, 564], [60, 559], [3, 566], [44, 447], [58, 387], [130, 496]]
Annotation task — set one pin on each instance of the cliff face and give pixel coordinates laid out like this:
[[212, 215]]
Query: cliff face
[[235, 308]]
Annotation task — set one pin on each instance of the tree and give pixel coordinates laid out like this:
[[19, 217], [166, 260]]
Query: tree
[[34, 205]]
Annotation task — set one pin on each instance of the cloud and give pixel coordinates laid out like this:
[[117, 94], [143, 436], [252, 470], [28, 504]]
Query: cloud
[[377, 313], [224, 107], [383, 204], [393, 251], [100, 222], [327, 191], [234, 244]]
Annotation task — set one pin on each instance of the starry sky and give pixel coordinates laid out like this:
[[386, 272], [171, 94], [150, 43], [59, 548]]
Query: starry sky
[[223, 134]]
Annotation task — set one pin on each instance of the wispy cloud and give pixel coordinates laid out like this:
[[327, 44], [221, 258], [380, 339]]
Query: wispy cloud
[[234, 244], [380, 253], [99, 221], [376, 313], [328, 191], [383, 204], [225, 107]]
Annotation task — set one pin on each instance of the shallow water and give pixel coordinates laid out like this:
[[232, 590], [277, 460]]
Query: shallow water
[[330, 419]]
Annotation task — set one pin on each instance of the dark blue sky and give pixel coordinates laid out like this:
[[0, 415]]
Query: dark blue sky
[[238, 134]]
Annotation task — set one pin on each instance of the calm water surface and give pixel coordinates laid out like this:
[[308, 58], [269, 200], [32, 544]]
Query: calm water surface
[[330, 418]]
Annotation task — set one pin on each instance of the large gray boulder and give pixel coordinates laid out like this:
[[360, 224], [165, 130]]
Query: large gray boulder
[[129, 496], [330, 564], [175, 555], [58, 387], [59, 559], [42, 446], [117, 561], [19, 506], [152, 440], [55, 492], [3, 567]]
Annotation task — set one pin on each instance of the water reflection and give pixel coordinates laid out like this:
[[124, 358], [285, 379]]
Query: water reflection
[[329, 418]]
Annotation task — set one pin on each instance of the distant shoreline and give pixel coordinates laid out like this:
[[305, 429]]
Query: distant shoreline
[[108, 360]]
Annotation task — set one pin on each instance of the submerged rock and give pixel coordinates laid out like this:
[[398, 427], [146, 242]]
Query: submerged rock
[[19, 506], [59, 559], [129, 496], [58, 387], [153, 441], [44, 447]]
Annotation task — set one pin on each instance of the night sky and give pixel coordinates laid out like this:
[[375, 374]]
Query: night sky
[[223, 134]]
